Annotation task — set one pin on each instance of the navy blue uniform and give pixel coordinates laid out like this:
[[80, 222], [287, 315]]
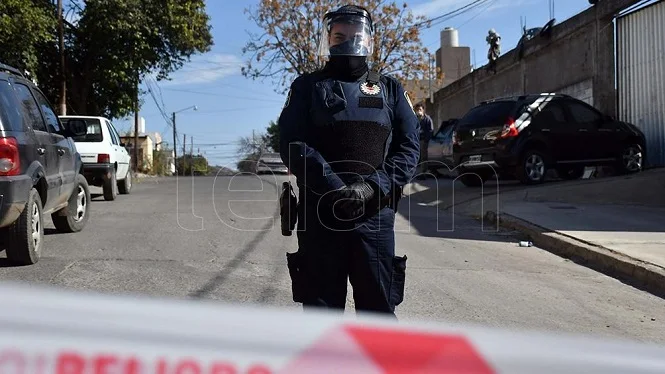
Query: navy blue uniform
[[332, 134]]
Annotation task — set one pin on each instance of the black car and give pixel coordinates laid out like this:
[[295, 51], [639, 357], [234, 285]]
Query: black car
[[40, 169], [526, 136]]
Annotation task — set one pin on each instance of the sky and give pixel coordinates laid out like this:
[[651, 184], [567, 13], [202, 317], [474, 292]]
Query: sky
[[231, 106]]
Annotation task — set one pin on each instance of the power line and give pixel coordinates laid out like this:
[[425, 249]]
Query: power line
[[244, 89], [447, 16], [488, 3], [483, 10], [224, 95], [162, 110], [222, 110]]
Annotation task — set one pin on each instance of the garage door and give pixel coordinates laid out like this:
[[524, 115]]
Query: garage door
[[641, 75]]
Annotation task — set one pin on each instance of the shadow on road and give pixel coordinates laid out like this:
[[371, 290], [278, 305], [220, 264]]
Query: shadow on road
[[239, 258], [435, 209], [5, 263], [50, 231]]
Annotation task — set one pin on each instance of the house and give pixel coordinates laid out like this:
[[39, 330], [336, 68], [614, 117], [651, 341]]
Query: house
[[146, 147], [152, 156]]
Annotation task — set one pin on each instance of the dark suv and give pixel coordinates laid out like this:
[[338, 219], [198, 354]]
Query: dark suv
[[526, 136], [39, 169]]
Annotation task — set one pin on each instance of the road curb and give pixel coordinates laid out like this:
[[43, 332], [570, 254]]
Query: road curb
[[640, 274]]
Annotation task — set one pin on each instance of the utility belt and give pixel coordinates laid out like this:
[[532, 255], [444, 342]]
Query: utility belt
[[288, 206]]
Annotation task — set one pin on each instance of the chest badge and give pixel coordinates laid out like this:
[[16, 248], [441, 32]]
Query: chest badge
[[370, 89]]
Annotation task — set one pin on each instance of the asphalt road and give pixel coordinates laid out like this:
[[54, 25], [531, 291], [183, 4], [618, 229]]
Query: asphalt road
[[219, 239]]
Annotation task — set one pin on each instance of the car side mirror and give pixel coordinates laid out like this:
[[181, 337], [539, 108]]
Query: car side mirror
[[76, 127]]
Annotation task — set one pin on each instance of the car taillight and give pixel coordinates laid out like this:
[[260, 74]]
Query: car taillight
[[10, 161], [509, 129], [103, 158]]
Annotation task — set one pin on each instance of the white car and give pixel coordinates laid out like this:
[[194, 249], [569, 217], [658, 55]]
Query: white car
[[271, 163], [106, 162]]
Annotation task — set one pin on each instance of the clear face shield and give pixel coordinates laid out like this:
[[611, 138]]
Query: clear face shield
[[346, 35]]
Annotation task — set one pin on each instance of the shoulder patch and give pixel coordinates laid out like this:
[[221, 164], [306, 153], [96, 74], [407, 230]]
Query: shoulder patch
[[408, 100]]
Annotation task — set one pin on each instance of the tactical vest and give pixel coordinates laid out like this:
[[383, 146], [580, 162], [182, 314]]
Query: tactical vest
[[351, 123]]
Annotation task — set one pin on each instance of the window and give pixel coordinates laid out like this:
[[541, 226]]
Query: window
[[491, 114], [443, 133], [30, 108], [115, 132], [94, 134], [114, 138], [52, 121], [552, 114], [583, 114], [10, 115]]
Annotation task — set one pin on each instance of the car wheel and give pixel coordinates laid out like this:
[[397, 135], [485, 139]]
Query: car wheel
[[74, 216], [472, 179], [25, 237], [125, 185], [110, 187], [631, 159], [570, 173], [532, 168]]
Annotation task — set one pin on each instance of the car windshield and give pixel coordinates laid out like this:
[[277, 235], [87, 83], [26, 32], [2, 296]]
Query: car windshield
[[94, 134]]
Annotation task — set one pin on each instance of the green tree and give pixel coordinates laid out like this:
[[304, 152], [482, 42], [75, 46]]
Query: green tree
[[193, 165], [25, 27], [111, 48], [160, 162], [248, 163], [272, 135], [287, 45]]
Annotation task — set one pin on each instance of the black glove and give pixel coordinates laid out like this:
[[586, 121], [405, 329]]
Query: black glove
[[353, 200]]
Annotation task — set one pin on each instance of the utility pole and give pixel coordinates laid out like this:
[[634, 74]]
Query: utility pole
[[431, 91], [136, 127], [63, 81], [184, 145], [175, 147], [191, 148], [184, 152]]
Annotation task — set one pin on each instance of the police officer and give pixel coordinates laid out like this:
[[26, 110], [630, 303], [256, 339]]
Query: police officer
[[350, 136]]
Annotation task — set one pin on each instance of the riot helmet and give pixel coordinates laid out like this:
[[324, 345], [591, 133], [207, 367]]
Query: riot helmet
[[347, 31]]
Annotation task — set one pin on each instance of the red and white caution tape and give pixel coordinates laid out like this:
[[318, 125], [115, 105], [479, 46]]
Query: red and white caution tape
[[44, 331]]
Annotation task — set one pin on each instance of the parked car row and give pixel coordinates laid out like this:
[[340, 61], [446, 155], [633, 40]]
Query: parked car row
[[524, 137], [41, 170]]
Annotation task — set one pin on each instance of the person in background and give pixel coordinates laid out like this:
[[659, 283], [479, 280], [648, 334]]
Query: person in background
[[426, 129]]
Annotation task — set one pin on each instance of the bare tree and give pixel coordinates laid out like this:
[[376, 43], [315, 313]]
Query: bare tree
[[289, 43]]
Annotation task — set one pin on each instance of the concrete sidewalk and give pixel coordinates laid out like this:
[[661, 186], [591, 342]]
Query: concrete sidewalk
[[635, 231], [615, 225]]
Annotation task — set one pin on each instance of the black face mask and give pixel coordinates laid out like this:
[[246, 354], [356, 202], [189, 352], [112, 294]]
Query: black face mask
[[347, 68]]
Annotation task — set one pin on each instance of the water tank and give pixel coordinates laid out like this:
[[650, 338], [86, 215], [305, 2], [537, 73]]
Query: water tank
[[449, 37]]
